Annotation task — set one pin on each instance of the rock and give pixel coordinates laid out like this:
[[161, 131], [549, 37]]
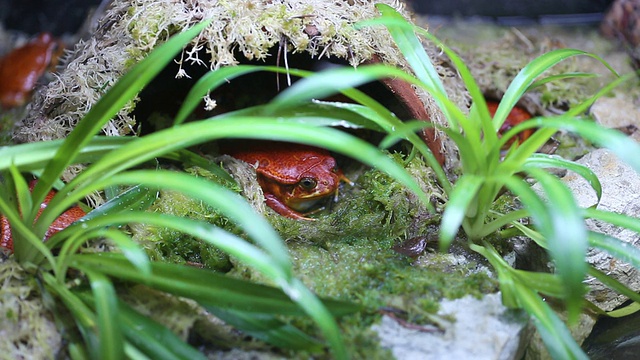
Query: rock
[[537, 350], [473, 329], [614, 338], [619, 112], [620, 184]]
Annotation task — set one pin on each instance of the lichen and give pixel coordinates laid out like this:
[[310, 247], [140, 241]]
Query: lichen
[[27, 328]]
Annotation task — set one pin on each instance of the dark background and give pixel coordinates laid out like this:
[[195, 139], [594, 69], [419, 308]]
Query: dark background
[[35, 16], [66, 16], [509, 8]]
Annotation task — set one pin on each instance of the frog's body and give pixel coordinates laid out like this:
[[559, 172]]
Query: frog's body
[[516, 116], [67, 218], [293, 177], [21, 68]]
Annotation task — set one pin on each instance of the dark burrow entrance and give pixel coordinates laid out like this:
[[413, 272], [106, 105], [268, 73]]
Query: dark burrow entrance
[[164, 95]]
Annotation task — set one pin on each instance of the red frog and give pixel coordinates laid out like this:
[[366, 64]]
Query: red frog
[[293, 177], [64, 220], [21, 68], [516, 116]]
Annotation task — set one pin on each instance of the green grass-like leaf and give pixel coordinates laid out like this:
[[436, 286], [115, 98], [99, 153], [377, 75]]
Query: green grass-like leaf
[[204, 286], [268, 328], [106, 304], [558, 221], [108, 105], [152, 339]]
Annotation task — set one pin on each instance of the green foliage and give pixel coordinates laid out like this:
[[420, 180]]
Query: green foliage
[[558, 223], [96, 315], [109, 328]]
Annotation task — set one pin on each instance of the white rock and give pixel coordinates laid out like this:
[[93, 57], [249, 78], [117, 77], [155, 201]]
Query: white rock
[[620, 194], [616, 112], [480, 329]]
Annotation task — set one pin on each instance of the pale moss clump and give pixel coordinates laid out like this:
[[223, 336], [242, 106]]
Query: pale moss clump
[[27, 328], [240, 30]]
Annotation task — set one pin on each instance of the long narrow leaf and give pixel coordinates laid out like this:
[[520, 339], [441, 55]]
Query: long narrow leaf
[[32, 156], [403, 34], [616, 285], [529, 73], [267, 328], [460, 200], [567, 239], [617, 248], [626, 221], [553, 331], [168, 140], [228, 242], [153, 339], [545, 161], [106, 304], [205, 286], [108, 105], [84, 318]]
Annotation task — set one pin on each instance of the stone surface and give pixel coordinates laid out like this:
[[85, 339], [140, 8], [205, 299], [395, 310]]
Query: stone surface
[[619, 112], [537, 350], [473, 329], [620, 184]]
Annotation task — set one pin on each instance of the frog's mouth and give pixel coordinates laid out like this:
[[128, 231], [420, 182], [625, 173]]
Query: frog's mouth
[[303, 204]]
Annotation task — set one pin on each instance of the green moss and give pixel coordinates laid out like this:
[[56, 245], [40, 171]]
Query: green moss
[[376, 207], [173, 246], [348, 254], [6, 123], [371, 273]]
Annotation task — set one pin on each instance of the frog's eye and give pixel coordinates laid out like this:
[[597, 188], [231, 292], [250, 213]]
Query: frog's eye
[[308, 183]]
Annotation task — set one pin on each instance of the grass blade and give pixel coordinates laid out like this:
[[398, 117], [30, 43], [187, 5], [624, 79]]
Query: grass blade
[[106, 304], [461, 198], [526, 77], [566, 239], [207, 287], [168, 140], [268, 328], [153, 339], [617, 248], [545, 161], [553, 331], [108, 105]]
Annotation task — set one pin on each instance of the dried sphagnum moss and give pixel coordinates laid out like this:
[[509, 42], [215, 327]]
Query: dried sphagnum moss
[[130, 29], [27, 328]]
